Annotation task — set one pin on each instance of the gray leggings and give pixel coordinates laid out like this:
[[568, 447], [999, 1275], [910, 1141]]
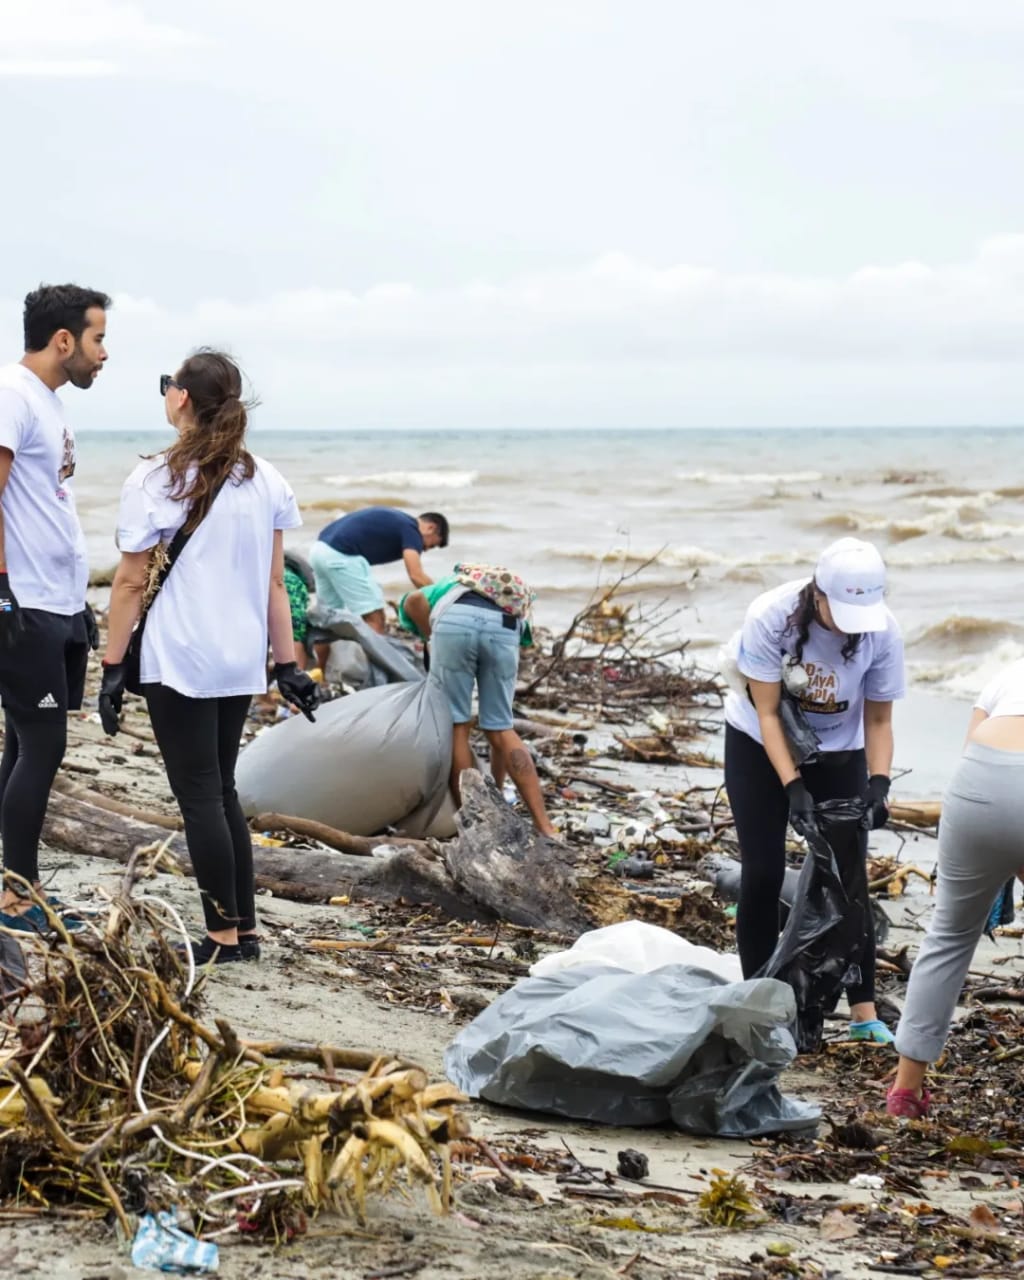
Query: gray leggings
[[981, 845]]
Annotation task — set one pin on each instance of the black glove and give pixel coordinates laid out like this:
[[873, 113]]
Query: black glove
[[92, 631], [11, 624], [112, 695], [876, 807], [297, 688], [801, 808]]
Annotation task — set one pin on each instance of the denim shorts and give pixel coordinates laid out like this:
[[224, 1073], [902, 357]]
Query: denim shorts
[[471, 645]]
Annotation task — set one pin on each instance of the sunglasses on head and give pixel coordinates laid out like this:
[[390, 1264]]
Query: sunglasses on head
[[167, 380]]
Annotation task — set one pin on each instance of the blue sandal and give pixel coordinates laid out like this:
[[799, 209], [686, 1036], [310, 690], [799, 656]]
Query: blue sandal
[[872, 1032]]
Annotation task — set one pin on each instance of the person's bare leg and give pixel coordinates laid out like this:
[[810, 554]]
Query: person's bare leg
[[462, 758], [519, 763], [301, 655], [864, 1011], [375, 620], [910, 1075], [322, 653]]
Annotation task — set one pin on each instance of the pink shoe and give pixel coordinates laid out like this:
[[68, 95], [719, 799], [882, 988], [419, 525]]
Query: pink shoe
[[906, 1103]]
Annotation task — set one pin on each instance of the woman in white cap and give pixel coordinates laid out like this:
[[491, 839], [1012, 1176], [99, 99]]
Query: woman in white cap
[[839, 650], [979, 848]]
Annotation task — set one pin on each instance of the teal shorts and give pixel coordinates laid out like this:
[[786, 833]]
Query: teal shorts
[[344, 582]]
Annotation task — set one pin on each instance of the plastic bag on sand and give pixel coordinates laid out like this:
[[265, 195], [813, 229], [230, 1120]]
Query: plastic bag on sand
[[816, 952], [605, 1045], [375, 759], [160, 1245], [639, 947]]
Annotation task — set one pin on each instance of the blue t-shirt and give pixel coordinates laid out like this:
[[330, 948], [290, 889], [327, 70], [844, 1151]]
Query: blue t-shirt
[[380, 534]]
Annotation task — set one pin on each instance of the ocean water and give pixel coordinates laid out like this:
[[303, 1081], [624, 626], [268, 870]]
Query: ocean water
[[722, 515]]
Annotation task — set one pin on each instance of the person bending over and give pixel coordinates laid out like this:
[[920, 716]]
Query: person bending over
[[46, 628], [979, 847], [343, 554], [833, 637], [473, 640]]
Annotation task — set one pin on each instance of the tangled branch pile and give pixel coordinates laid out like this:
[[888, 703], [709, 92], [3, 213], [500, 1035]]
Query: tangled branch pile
[[619, 660], [115, 1096]]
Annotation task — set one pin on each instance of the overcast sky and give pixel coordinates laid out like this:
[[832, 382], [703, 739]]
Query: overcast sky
[[534, 214]]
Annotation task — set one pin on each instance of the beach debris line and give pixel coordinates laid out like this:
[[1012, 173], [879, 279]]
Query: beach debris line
[[116, 1098]]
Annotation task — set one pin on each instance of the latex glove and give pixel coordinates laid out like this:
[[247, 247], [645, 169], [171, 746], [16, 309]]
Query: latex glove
[[92, 631], [112, 696], [801, 808], [297, 688], [11, 623], [876, 806]]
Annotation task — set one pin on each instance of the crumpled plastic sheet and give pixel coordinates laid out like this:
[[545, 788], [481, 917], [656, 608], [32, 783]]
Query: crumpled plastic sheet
[[161, 1245], [677, 1044]]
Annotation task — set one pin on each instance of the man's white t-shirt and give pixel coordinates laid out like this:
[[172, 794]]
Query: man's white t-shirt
[[834, 698], [206, 633], [43, 540], [1004, 693]]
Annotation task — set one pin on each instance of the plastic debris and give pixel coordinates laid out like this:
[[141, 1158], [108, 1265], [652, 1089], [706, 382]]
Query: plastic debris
[[161, 1245]]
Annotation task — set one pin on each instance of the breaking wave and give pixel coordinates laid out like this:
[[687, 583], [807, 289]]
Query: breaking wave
[[963, 631], [408, 480], [757, 479], [966, 677]]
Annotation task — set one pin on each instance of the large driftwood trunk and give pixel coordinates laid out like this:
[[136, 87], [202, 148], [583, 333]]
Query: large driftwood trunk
[[516, 875], [504, 864]]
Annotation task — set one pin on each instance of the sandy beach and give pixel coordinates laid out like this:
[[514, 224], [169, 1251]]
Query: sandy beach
[[561, 1211]]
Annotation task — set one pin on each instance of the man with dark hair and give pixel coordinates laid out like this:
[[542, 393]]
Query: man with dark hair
[[342, 556], [46, 628]]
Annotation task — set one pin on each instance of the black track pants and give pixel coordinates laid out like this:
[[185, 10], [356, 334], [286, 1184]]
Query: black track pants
[[199, 740], [33, 751]]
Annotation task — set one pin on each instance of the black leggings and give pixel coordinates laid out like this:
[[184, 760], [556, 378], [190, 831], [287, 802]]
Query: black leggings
[[760, 808], [199, 740], [33, 751]]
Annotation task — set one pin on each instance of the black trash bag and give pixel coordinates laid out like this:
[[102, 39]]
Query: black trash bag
[[804, 744], [817, 950]]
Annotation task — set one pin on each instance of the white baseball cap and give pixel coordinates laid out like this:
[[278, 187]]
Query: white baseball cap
[[851, 573]]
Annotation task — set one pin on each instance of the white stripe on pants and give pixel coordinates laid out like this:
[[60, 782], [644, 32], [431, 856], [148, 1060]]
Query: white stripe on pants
[[981, 845]]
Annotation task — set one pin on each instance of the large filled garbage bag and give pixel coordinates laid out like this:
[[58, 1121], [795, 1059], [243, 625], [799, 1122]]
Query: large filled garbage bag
[[376, 759], [818, 948], [598, 1043]]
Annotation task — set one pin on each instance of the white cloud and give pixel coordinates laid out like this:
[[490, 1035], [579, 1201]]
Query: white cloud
[[48, 39], [616, 342]]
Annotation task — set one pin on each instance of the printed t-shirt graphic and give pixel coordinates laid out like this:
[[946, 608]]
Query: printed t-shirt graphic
[[835, 696]]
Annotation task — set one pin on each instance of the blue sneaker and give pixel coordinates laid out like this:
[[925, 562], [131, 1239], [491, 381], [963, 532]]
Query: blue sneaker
[[872, 1032], [34, 920]]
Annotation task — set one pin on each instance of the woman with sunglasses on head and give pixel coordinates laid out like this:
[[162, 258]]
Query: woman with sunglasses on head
[[219, 511], [835, 644]]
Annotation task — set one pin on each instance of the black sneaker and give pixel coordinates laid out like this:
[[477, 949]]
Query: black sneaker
[[208, 951], [249, 945]]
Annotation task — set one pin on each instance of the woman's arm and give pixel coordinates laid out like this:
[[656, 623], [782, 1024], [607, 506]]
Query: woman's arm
[[767, 697], [417, 610], [878, 741], [125, 603], [279, 610]]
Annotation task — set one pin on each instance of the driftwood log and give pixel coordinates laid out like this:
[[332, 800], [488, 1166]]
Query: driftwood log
[[496, 868]]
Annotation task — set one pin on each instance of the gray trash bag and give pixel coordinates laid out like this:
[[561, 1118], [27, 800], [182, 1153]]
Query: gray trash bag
[[676, 1044], [376, 759], [390, 660]]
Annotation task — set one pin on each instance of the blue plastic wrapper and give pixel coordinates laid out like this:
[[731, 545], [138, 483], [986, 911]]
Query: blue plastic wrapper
[[161, 1245]]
